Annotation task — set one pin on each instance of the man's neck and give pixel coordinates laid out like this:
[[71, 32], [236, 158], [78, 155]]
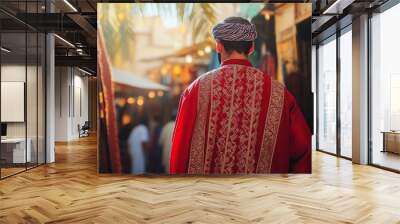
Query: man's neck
[[234, 55]]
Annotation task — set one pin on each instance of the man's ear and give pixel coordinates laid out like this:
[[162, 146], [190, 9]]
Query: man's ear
[[219, 48], [251, 49]]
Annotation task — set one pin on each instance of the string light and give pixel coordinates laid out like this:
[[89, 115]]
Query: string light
[[152, 94], [164, 70], [140, 101], [121, 102], [131, 100], [176, 70], [200, 53], [160, 93], [207, 49], [126, 119], [188, 59]]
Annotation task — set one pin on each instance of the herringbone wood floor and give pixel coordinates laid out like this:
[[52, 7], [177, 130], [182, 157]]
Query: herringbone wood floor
[[70, 191]]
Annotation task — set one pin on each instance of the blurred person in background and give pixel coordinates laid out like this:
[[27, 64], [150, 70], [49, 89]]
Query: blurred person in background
[[166, 141], [154, 153], [138, 145], [125, 125], [236, 119]]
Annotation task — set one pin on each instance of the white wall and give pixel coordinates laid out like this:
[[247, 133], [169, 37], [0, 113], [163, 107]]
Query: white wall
[[10, 73], [33, 126], [16, 73], [79, 115], [61, 103], [71, 102]]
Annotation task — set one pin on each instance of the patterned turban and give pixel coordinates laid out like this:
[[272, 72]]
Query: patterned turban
[[232, 31]]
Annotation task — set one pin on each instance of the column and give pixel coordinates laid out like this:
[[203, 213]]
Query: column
[[360, 90]]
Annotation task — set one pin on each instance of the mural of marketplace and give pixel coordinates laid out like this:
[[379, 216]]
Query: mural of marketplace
[[148, 53]]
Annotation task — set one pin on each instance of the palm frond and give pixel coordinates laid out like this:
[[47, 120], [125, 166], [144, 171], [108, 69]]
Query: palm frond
[[180, 8], [203, 17], [118, 26]]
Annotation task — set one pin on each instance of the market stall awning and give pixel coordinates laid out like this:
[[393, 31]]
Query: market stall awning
[[131, 79]]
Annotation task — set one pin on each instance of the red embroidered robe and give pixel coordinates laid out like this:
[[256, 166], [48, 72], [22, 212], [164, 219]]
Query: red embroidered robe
[[236, 119]]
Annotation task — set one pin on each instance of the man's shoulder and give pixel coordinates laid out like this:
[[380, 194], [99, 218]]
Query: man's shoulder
[[277, 84], [258, 71], [208, 75], [201, 79], [289, 99], [279, 88]]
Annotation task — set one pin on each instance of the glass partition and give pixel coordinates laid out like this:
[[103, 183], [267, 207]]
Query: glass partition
[[385, 89], [13, 94], [31, 97], [327, 96], [346, 94], [22, 88]]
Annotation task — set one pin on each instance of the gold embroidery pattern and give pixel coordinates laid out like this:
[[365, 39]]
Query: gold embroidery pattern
[[196, 156], [236, 95], [221, 96], [256, 107], [231, 125], [210, 131], [271, 128], [249, 108]]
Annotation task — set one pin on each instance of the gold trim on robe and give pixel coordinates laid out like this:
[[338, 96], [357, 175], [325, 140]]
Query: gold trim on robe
[[196, 160], [271, 128]]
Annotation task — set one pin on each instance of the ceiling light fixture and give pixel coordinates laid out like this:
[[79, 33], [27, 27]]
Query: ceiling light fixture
[[5, 50], [64, 40], [70, 5], [337, 7], [84, 71]]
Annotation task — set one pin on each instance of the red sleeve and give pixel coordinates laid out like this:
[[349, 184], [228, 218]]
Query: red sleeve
[[183, 131], [300, 139]]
